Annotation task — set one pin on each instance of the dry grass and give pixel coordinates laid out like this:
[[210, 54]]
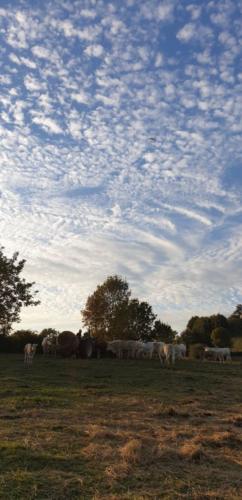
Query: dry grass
[[145, 433], [193, 452], [220, 439], [131, 452]]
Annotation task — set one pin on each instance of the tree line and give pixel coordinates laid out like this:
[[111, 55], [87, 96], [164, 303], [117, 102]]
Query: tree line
[[110, 312]]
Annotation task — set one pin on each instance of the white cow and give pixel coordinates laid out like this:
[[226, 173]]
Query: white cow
[[149, 349], [49, 345], [225, 353], [45, 344], [218, 353], [181, 351], [146, 349], [167, 353], [29, 352], [124, 348]]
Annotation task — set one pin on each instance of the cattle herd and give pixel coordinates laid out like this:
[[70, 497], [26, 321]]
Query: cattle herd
[[67, 344]]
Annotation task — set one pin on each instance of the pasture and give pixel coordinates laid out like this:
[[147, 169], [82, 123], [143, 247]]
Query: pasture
[[120, 429]]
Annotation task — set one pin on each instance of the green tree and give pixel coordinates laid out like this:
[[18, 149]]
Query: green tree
[[102, 308], [15, 291], [221, 337], [235, 326], [163, 332], [191, 322], [202, 329], [238, 312], [22, 337], [188, 337], [218, 320], [49, 331], [139, 322], [110, 313]]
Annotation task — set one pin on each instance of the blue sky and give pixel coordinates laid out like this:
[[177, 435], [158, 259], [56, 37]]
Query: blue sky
[[121, 152]]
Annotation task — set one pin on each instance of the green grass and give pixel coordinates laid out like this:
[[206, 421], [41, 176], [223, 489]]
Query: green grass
[[111, 429]]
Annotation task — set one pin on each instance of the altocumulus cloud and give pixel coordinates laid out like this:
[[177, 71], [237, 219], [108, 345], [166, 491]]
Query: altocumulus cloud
[[121, 152]]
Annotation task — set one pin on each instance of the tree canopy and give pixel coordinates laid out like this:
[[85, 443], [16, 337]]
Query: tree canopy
[[104, 305], [163, 332], [15, 291], [110, 313], [200, 328], [52, 332], [220, 337], [237, 312]]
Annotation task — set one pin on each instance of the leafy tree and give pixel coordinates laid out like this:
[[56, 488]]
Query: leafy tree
[[163, 332], [238, 312], [140, 319], [221, 337], [21, 337], [191, 322], [235, 326], [49, 331], [15, 291], [218, 320], [110, 313], [103, 306], [188, 337], [201, 330]]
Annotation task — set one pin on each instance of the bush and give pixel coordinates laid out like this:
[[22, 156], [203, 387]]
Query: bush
[[196, 351], [17, 341], [221, 337], [22, 337], [237, 343]]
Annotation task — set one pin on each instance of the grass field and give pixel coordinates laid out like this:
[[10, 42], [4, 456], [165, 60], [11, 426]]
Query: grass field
[[110, 429]]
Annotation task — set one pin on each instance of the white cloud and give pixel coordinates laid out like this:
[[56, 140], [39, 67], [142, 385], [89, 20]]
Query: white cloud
[[32, 84], [41, 52], [164, 11], [158, 60], [47, 124], [95, 50], [15, 59], [80, 97], [194, 10], [89, 13], [187, 32], [134, 182], [189, 213], [75, 129]]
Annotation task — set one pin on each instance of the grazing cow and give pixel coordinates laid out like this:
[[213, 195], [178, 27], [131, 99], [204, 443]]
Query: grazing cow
[[131, 347], [149, 349], [218, 353], [167, 353], [123, 348], [145, 349], [29, 352], [181, 351], [226, 353], [115, 346]]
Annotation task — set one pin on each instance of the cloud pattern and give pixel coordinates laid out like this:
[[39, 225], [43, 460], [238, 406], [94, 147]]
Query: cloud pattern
[[121, 152]]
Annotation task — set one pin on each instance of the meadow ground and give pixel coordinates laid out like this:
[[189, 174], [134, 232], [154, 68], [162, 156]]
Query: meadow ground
[[110, 429]]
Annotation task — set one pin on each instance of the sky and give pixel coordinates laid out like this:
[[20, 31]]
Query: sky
[[121, 153]]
